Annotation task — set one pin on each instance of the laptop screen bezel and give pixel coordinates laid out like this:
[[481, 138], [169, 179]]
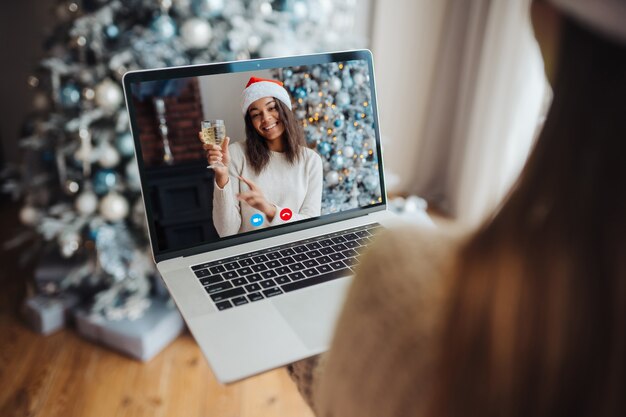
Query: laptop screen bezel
[[133, 77]]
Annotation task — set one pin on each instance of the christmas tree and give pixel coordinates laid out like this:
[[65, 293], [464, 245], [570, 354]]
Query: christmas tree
[[334, 103], [79, 179]]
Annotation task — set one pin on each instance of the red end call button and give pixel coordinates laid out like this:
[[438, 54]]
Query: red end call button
[[285, 214]]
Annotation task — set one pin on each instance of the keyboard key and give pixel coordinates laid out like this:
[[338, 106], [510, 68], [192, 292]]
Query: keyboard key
[[297, 267], [339, 247], [300, 257], [310, 263], [327, 250], [273, 255], [300, 249], [338, 239], [246, 262], [221, 286], [313, 246], [324, 260], [253, 287], [223, 305], [201, 266], [238, 282], [217, 269], [268, 283], [272, 264], [283, 270], [326, 242], [202, 273], [360, 249], [211, 280], [288, 260], [255, 278], [310, 272], [350, 261], [230, 274], [287, 252], [313, 254], [350, 236], [231, 266], [351, 244], [364, 241], [324, 269], [239, 301], [228, 294], [282, 280], [268, 274], [337, 256], [348, 253], [337, 265], [244, 271], [296, 276], [316, 280], [362, 233], [260, 258], [272, 292], [255, 296], [259, 268]]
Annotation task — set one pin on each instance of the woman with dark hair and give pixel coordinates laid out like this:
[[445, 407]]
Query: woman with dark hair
[[271, 177], [527, 315]]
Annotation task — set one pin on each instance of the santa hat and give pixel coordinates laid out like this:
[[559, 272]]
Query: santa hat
[[606, 16], [261, 87]]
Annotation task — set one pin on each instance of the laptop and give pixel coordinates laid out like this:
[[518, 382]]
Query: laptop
[[269, 293]]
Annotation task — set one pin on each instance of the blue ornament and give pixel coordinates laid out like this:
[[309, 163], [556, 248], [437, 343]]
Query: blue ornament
[[337, 161], [125, 144], [111, 31], [104, 180], [164, 26], [70, 95], [324, 148], [207, 8], [338, 122], [300, 92]]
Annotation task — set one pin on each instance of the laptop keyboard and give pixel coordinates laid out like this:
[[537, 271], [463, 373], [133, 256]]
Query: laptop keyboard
[[281, 269]]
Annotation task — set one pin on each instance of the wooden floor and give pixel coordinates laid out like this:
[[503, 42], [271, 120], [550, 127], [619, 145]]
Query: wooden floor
[[65, 375]]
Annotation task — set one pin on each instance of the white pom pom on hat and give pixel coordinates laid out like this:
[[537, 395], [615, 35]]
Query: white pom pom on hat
[[262, 87], [604, 16]]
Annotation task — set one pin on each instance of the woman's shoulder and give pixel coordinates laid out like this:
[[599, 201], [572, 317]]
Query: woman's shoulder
[[310, 156], [237, 150]]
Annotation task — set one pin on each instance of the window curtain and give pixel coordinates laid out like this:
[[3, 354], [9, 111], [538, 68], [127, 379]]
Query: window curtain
[[470, 104]]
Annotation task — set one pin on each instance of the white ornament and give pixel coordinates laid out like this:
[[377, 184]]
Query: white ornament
[[335, 84], [114, 207], [29, 215], [108, 156], [86, 203], [196, 33], [358, 78], [332, 178], [108, 95], [69, 242], [348, 151]]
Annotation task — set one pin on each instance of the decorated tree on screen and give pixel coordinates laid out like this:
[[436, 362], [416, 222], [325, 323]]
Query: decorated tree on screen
[[79, 180], [333, 101]]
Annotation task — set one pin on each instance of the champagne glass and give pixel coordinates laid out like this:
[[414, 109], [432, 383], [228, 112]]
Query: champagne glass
[[213, 132]]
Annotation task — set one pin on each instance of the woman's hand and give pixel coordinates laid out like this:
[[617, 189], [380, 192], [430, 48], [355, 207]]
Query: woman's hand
[[216, 154], [256, 199]]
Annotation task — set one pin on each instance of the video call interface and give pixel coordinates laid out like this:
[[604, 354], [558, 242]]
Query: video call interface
[[231, 154]]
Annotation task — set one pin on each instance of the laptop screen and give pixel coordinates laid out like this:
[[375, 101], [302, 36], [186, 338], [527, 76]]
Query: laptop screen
[[232, 152]]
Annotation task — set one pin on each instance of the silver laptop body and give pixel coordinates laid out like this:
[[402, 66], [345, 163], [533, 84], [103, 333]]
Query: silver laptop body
[[257, 336]]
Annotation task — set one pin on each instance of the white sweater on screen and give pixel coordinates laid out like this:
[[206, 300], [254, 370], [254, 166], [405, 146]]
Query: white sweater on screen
[[296, 186]]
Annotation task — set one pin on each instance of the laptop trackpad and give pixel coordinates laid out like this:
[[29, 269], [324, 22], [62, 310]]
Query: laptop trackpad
[[312, 312]]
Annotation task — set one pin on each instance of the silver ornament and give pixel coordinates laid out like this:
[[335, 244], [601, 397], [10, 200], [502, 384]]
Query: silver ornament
[[332, 178], [114, 207], [196, 33], [86, 203], [108, 95]]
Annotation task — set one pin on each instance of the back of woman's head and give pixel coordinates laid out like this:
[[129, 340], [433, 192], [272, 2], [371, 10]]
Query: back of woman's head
[[536, 320]]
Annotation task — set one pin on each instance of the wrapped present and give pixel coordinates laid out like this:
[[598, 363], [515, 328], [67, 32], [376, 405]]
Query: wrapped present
[[47, 314], [141, 338]]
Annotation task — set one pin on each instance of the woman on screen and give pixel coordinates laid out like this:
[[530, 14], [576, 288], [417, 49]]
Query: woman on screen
[[271, 177]]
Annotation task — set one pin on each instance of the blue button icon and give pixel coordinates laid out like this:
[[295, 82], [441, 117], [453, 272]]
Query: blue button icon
[[256, 220]]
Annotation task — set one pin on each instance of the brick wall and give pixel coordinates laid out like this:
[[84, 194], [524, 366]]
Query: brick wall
[[183, 114]]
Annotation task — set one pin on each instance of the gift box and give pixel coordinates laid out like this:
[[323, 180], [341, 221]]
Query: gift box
[[141, 338], [47, 314]]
